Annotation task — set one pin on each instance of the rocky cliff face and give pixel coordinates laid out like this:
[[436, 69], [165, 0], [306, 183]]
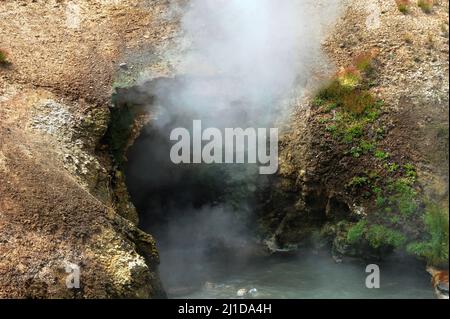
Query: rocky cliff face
[[61, 200], [360, 162], [366, 157]]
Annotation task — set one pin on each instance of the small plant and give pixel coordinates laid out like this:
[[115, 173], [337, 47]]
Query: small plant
[[372, 116], [426, 5], [358, 102], [381, 155], [367, 147], [403, 6], [365, 61], [349, 77], [380, 133], [364, 147], [395, 220], [410, 171], [318, 102], [408, 38], [392, 167], [380, 201], [353, 132], [330, 107], [332, 128], [358, 181], [3, 57]]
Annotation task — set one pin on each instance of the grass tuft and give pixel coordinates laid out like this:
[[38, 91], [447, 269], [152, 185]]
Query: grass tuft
[[426, 5], [3, 57], [403, 6], [365, 62]]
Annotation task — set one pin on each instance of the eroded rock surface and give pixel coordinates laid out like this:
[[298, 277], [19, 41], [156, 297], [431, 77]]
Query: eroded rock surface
[[58, 206], [326, 184]]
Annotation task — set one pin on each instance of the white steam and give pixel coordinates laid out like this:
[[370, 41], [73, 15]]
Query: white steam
[[254, 51], [243, 59]]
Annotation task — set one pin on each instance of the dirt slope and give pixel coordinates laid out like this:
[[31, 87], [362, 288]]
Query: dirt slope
[[56, 200]]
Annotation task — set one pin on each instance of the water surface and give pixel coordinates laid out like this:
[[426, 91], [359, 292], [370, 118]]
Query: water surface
[[306, 277]]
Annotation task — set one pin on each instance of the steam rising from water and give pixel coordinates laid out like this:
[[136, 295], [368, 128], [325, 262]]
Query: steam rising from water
[[244, 59], [252, 52]]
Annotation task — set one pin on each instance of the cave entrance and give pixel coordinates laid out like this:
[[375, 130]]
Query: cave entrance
[[199, 214]]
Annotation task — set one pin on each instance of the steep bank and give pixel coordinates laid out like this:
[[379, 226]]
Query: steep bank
[[364, 163], [61, 202]]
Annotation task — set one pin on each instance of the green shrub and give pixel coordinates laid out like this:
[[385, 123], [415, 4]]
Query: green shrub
[[332, 128], [435, 249], [380, 201], [331, 106], [356, 232], [379, 236], [404, 196]]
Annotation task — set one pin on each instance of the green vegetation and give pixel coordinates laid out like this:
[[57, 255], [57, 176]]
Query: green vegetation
[[381, 155], [356, 232], [341, 94], [410, 171], [364, 62], [3, 57], [358, 181], [355, 123], [398, 195], [355, 109], [364, 147], [426, 5], [392, 167], [353, 132], [435, 248], [403, 196], [377, 236], [397, 207], [403, 6], [349, 78]]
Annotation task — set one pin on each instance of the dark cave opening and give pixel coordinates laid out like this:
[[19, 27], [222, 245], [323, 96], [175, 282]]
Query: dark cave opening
[[199, 214]]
